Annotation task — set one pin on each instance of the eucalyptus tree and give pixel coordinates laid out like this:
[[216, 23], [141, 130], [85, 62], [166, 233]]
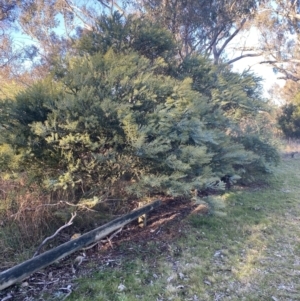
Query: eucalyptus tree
[[7, 15], [278, 27], [205, 27], [10, 56], [34, 33]]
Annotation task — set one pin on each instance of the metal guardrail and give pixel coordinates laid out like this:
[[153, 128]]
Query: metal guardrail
[[23, 270]]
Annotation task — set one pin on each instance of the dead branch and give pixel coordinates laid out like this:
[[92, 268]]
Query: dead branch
[[113, 235], [69, 223], [113, 4], [230, 38], [69, 291], [53, 205], [79, 206], [243, 56]]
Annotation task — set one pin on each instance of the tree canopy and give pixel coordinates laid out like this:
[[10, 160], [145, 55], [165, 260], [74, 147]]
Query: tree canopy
[[209, 28]]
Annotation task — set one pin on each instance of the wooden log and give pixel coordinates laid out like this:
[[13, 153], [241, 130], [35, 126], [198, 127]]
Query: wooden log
[[23, 270]]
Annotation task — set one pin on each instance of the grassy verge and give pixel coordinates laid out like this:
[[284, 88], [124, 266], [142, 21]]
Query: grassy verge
[[251, 253]]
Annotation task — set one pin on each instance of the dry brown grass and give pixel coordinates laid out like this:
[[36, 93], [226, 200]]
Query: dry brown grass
[[290, 146], [26, 216]]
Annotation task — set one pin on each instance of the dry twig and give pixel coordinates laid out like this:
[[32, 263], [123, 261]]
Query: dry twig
[[69, 291], [113, 235], [69, 223], [52, 205]]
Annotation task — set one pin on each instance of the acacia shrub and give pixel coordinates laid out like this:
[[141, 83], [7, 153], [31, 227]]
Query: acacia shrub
[[118, 114]]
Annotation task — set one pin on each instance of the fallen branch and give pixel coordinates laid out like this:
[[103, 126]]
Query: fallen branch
[[69, 291], [79, 206], [69, 223], [113, 235]]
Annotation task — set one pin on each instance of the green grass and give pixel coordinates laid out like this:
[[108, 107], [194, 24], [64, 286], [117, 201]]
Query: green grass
[[251, 253]]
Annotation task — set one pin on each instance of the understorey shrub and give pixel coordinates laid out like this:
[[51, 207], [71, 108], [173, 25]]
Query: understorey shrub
[[116, 113]]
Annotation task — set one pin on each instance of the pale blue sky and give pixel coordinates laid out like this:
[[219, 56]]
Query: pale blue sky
[[251, 39], [263, 70]]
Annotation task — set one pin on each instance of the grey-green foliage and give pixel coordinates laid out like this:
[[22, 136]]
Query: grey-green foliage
[[289, 118], [130, 121], [113, 117], [124, 115], [236, 108], [127, 34]]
